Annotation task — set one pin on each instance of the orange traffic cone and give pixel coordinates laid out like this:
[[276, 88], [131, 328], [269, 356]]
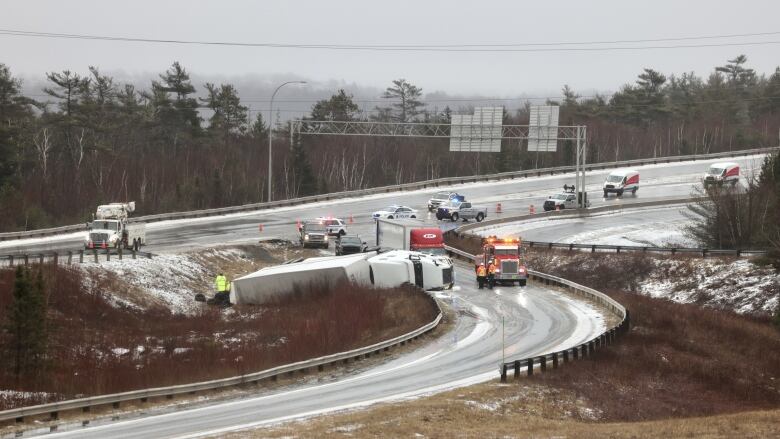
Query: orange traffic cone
[[557, 207], [531, 209], [498, 208], [298, 224], [260, 227], [103, 245], [350, 219]]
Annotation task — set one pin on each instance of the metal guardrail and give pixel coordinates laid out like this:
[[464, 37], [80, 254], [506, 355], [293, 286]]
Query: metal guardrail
[[703, 252], [143, 395], [70, 256], [386, 189], [551, 215], [580, 351]]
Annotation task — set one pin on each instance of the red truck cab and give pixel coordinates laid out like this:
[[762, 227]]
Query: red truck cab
[[427, 240], [507, 255]]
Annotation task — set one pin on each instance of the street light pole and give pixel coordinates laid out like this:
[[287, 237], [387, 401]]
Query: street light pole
[[271, 134]]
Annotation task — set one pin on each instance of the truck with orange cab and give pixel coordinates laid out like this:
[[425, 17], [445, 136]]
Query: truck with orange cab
[[508, 257]]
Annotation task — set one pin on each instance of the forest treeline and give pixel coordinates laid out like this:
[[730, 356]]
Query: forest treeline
[[171, 146]]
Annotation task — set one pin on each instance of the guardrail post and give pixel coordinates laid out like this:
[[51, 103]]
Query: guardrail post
[[555, 360], [591, 347], [108, 255], [40, 258], [617, 249], [133, 251], [96, 255], [674, 250], [628, 322], [26, 260], [704, 253], [530, 366], [593, 248], [11, 260], [575, 352], [739, 252], [517, 369], [148, 256], [503, 373], [565, 356], [70, 257], [119, 252], [543, 363], [56, 258]]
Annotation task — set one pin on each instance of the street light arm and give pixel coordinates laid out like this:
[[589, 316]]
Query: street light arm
[[271, 134]]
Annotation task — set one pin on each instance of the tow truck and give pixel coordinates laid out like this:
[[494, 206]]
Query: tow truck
[[509, 258]]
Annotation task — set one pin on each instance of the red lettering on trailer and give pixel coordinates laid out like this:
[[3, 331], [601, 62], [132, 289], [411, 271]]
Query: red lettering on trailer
[[634, 179]]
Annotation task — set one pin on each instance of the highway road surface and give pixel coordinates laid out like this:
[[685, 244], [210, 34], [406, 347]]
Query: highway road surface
[[657, 182]]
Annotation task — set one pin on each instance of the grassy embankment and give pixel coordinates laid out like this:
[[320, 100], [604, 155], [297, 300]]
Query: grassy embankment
[[97, 347]]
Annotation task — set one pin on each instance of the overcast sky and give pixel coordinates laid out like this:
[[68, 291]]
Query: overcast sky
[[400, 22]]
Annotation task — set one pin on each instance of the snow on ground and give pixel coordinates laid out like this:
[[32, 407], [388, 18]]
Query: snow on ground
[[652, 234], [167, 280], [739, 285]]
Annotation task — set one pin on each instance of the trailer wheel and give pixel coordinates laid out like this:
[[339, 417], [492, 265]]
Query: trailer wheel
[[480, 217], [454, 217], [633, 191], [389, 216]]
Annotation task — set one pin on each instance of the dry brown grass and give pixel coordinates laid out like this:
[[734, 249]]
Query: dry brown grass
[[166, 349], [493, 410]]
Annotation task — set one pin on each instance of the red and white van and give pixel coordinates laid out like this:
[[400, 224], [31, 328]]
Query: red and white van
[[617, 182], [722, 173]]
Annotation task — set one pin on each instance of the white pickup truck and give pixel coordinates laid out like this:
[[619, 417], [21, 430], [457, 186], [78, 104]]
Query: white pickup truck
[[455, 210]]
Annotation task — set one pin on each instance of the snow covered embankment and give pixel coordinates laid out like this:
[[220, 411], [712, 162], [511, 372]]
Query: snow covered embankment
[[170, 281], [739, 285]]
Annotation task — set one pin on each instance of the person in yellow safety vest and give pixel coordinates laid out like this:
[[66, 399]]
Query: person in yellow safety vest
[[481, 275], [221, 283], [491, 275]]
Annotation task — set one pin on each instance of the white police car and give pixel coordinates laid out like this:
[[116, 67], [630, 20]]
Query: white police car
[[395, 212]]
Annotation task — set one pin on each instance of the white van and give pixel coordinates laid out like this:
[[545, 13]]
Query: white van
[[621, 181], [721, 173]]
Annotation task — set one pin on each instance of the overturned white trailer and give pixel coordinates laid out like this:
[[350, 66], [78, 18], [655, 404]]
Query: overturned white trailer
[[389, 269]]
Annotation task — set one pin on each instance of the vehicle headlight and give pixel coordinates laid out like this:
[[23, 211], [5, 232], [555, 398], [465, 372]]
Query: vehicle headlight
[[306, 237], [326, 237], [113, 238]]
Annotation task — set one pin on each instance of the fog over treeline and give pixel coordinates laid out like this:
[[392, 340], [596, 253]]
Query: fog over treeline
[[295, 101]]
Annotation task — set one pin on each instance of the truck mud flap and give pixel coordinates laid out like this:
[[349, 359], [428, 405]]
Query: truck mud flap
[[418, 273]]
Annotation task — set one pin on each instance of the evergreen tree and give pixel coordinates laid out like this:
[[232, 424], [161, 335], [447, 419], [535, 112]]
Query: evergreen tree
[[26, 324], [15, 114], [259, 129], [408, 96], [183, 110], [305, 182], [339, 107], [229, 115]]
